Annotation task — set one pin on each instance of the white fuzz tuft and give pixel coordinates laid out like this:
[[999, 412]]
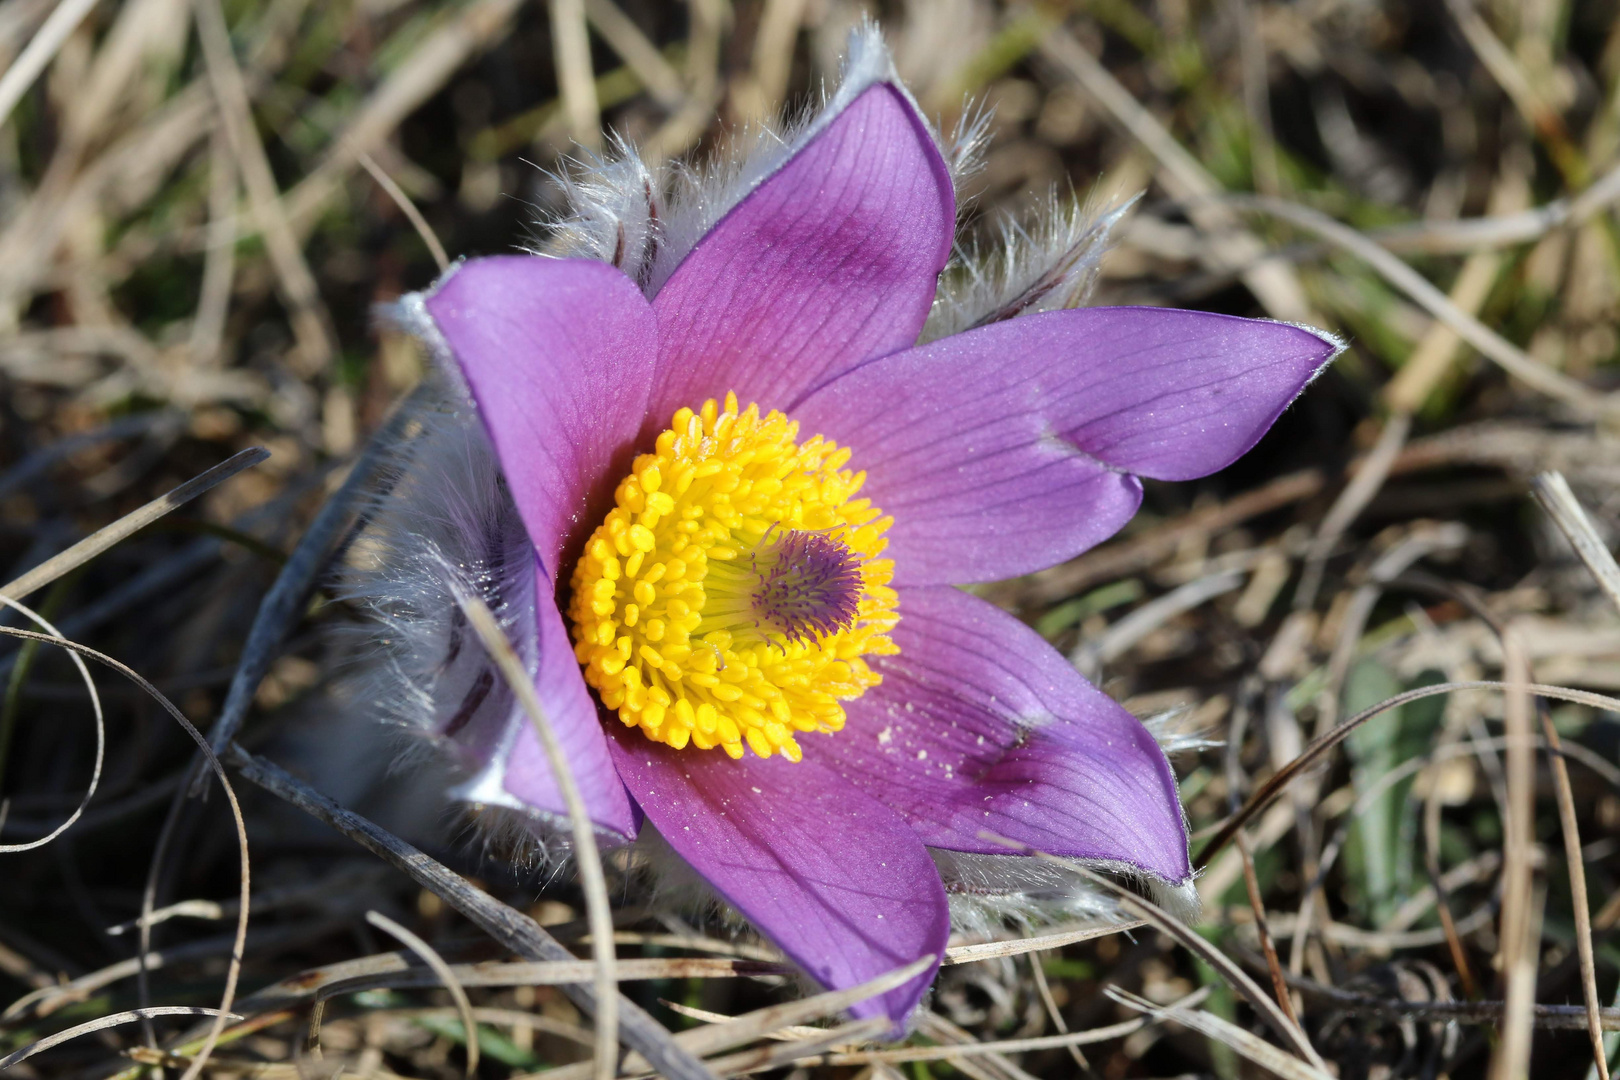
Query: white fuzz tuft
[[990, 893], [1179, 900], [442, 526], [1052, 265], [701, 196], [1169, 730], [965, 146], [645, 220], [613, 214]]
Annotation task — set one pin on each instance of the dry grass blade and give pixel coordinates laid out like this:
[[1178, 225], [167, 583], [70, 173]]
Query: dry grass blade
[[105, 1022], [234, 970], [750, 1026], [1120, 637], [760, 92], [513, 929], [1436, 351], [184, 909], [219, 266], [286, 599], [1519, 932], [662, 81], [1517, 1026], [410, 83], [1146, 910], [1501, 230], [131, 523], [1055, 939], [1320, 745], [406, 207], [791, 1031], [1243, 1042], [1514, 360], [316, 341], [394, 970], [433, 960], [1361, 490], [571, 47], [594, 884], [796, 1051], [26, 68], [1054, 1013], [802, 1053], [740, 1030], [931, 1025], [101, 734], [1070, 1040], [1270, 280], [1553, 493], [1141, 551], [1574, 859]]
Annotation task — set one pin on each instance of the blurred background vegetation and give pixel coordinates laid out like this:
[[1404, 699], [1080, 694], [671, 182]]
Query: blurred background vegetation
[[202, 201]]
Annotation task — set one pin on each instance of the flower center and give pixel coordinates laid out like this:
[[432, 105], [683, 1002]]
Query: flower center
[[734, 590]]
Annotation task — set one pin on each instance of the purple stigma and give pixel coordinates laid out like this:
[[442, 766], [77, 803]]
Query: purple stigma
[[809, 584]]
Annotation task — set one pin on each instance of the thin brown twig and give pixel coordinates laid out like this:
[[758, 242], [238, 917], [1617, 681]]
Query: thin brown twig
[[1574, 861], [1051, 939], [1279, 984]]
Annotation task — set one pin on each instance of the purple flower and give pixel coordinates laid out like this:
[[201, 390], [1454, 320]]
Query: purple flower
[[747, 493]]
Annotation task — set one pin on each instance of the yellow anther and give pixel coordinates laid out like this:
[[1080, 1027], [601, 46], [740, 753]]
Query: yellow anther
[[696, 610]]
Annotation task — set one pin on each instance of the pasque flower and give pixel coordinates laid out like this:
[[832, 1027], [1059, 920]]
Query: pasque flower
[[746, 494]]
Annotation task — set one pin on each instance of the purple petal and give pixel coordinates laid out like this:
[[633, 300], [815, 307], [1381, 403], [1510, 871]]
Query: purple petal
[[559, 354], [980, 725], [836, 879], [520, 775], [1007, 449], [830, 261]]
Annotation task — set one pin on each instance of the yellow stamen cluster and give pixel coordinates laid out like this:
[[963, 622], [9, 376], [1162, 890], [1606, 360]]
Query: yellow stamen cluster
[[662, 619]]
